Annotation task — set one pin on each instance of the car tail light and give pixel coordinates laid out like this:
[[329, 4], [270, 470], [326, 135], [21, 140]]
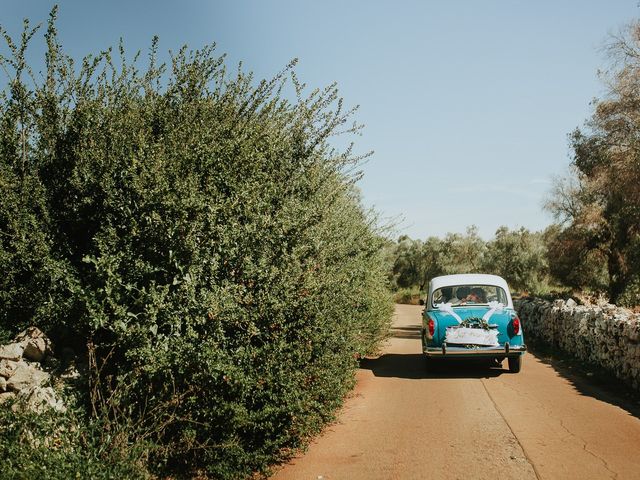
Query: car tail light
[[432, 327], [516, 326]]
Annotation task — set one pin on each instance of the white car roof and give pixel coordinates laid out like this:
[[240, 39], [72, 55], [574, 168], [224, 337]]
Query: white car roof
[[469, 279]]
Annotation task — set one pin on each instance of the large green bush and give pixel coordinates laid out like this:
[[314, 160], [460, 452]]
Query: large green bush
[[65, 446], [199, 232]]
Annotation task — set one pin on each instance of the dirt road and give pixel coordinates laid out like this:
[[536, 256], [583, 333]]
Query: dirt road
[[470, 422]]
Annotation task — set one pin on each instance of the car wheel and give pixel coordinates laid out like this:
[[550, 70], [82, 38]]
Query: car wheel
[[515, 364]]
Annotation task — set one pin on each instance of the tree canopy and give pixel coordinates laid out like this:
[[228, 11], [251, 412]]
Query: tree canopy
[[519, 256], [599, 205]]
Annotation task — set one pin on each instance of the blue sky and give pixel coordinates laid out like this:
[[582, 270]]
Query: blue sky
[[467, 104]]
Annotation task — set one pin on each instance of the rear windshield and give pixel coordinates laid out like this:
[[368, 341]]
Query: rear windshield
[[469, 295]]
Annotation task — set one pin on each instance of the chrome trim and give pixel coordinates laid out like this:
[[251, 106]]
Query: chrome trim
[[450, 351]]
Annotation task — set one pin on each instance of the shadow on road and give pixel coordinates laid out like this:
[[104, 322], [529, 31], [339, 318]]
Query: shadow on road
[[587, 380], [410, 332], [413, 366], [591, 381]]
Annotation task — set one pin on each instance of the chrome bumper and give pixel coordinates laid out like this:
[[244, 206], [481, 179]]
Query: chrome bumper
[[457, 351]]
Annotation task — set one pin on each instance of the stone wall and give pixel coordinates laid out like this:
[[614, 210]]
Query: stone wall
[[604, 335], [22, 379]]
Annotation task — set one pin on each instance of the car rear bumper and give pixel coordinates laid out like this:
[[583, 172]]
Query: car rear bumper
[[458, 351]]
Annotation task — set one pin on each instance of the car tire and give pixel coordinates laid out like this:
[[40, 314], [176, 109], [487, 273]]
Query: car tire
[[515, 364]]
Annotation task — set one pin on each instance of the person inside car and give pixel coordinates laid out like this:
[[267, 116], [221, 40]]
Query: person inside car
[[476, 295], [461, 295], [447, 295]]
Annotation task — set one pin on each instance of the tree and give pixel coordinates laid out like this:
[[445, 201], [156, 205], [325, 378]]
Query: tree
[[603, 212], [416, 262], [518, 256], [572, 262], [463, 253]]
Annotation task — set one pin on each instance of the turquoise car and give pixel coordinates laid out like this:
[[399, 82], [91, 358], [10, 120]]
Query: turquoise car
[[471, 315]]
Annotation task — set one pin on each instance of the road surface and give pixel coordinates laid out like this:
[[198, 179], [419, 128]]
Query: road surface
[[470, 422]]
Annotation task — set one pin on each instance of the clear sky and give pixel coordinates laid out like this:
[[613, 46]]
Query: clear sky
[[467, 104]]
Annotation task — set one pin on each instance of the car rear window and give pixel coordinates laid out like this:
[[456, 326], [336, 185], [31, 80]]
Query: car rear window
[[469, 295]]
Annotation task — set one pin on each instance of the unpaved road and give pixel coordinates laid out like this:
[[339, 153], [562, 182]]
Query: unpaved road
[[470, 422]]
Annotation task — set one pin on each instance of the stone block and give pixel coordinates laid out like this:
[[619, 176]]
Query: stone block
[[38, 399], [35, 349], [36, 344], [7, 367], [26, 376], [13, 351]]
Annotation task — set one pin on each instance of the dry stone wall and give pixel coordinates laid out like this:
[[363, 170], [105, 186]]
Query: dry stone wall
[[22, 380], [603, 335]]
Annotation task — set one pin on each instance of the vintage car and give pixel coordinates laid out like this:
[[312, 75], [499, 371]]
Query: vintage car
[[471, 315]]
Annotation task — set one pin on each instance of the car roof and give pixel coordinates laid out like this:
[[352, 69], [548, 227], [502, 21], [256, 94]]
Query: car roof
[[468, 279]]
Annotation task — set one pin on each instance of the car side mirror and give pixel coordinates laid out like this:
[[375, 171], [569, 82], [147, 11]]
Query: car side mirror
[[421, 302]]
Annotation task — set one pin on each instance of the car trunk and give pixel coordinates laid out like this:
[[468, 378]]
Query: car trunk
[[503, 321]]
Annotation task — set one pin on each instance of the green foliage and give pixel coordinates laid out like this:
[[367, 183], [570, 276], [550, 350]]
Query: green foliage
[[463, 253], [598, 207], [198, 230], [408, 296], [519, 256], [416, 261], [630, 296], [572, 263], [65, 446], [475, 322]]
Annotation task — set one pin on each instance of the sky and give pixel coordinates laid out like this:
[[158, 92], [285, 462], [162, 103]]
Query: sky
[[467, 105]]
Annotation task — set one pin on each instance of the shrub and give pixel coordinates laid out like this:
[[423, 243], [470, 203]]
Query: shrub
[[60, 447], [631, 295], [200, 233], [409, 296]]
